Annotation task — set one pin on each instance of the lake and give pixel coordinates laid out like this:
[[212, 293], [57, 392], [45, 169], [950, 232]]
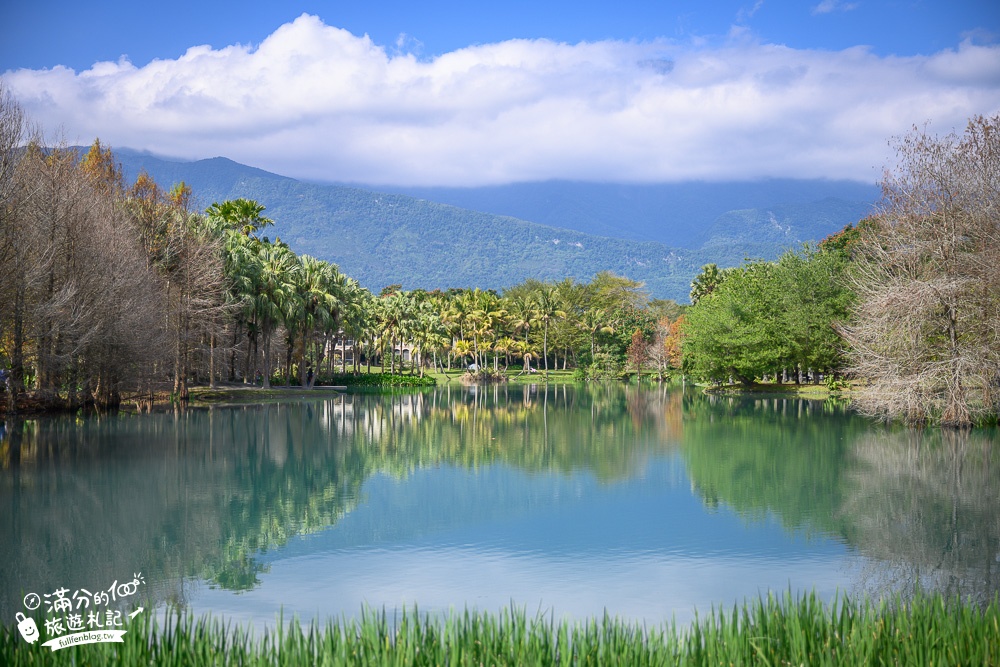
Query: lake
[[646, 503]]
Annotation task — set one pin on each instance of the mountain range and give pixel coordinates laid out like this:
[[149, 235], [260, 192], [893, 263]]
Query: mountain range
[[494, 237]]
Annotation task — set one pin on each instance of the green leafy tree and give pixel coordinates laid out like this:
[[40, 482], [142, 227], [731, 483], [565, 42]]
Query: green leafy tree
[[706, 282], [814, 299], [735, 330]]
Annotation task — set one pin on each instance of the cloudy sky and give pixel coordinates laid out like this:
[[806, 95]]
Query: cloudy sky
[[465, 93]]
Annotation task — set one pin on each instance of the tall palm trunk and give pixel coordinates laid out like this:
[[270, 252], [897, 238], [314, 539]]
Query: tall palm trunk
[[267, 353], [545, 345]]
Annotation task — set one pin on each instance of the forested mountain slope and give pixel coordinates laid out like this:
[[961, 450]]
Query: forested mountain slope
[[382, 238], [685, 215]]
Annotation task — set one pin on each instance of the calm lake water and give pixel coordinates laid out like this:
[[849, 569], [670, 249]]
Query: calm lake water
[[646, 503]]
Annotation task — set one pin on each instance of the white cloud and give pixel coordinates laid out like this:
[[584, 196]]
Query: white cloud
[[745, 13], [827, 6], [314, 101]]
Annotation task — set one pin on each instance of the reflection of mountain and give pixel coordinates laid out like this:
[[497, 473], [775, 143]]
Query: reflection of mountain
[[923, 502]]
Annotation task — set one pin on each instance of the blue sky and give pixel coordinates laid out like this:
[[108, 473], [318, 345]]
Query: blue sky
[[77, 34], [460, 93]]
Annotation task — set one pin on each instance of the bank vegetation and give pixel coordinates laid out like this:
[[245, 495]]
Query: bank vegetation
[[768, 631]]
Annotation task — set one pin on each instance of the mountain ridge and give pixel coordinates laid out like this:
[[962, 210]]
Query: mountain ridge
[[675, 214]]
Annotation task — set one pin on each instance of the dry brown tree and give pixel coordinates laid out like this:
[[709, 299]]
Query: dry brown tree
[[13, 129], [104, 289], [925, 334], [91, 312]]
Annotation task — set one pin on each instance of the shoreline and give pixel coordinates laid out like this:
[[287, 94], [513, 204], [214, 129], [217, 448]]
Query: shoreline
[[808, 391], [204, 396]]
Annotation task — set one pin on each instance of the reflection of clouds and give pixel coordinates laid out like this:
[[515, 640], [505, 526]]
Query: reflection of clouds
[[447, 538], [645, 588]]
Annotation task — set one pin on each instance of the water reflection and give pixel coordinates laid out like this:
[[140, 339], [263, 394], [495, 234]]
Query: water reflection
[[771, 456], [928, 503], [622, 496], [921, 506]]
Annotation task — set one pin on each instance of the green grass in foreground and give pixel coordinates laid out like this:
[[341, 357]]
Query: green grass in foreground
[[771, 631]]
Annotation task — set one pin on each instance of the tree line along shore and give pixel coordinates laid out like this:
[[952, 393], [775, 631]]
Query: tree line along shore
[[118, 291]]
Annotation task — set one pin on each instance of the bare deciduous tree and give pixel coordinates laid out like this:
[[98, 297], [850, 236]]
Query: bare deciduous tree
[[926, 329], [92, 303], [13, 128]]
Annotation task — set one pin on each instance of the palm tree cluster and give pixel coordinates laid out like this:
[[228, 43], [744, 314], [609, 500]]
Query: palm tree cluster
[[277, 296], [533, 325]]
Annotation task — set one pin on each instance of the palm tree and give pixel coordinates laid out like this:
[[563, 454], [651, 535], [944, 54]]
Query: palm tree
[[484, 316], [523, 314], [462, 348], [237, 223], [427, 332], [526, 352], [316, 302], [244, 216], [594, 321], [547, 300], [240, 269], [275, 290], [294, 318], [361, 322], [504, 345], [394, 317], [356, 323]]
